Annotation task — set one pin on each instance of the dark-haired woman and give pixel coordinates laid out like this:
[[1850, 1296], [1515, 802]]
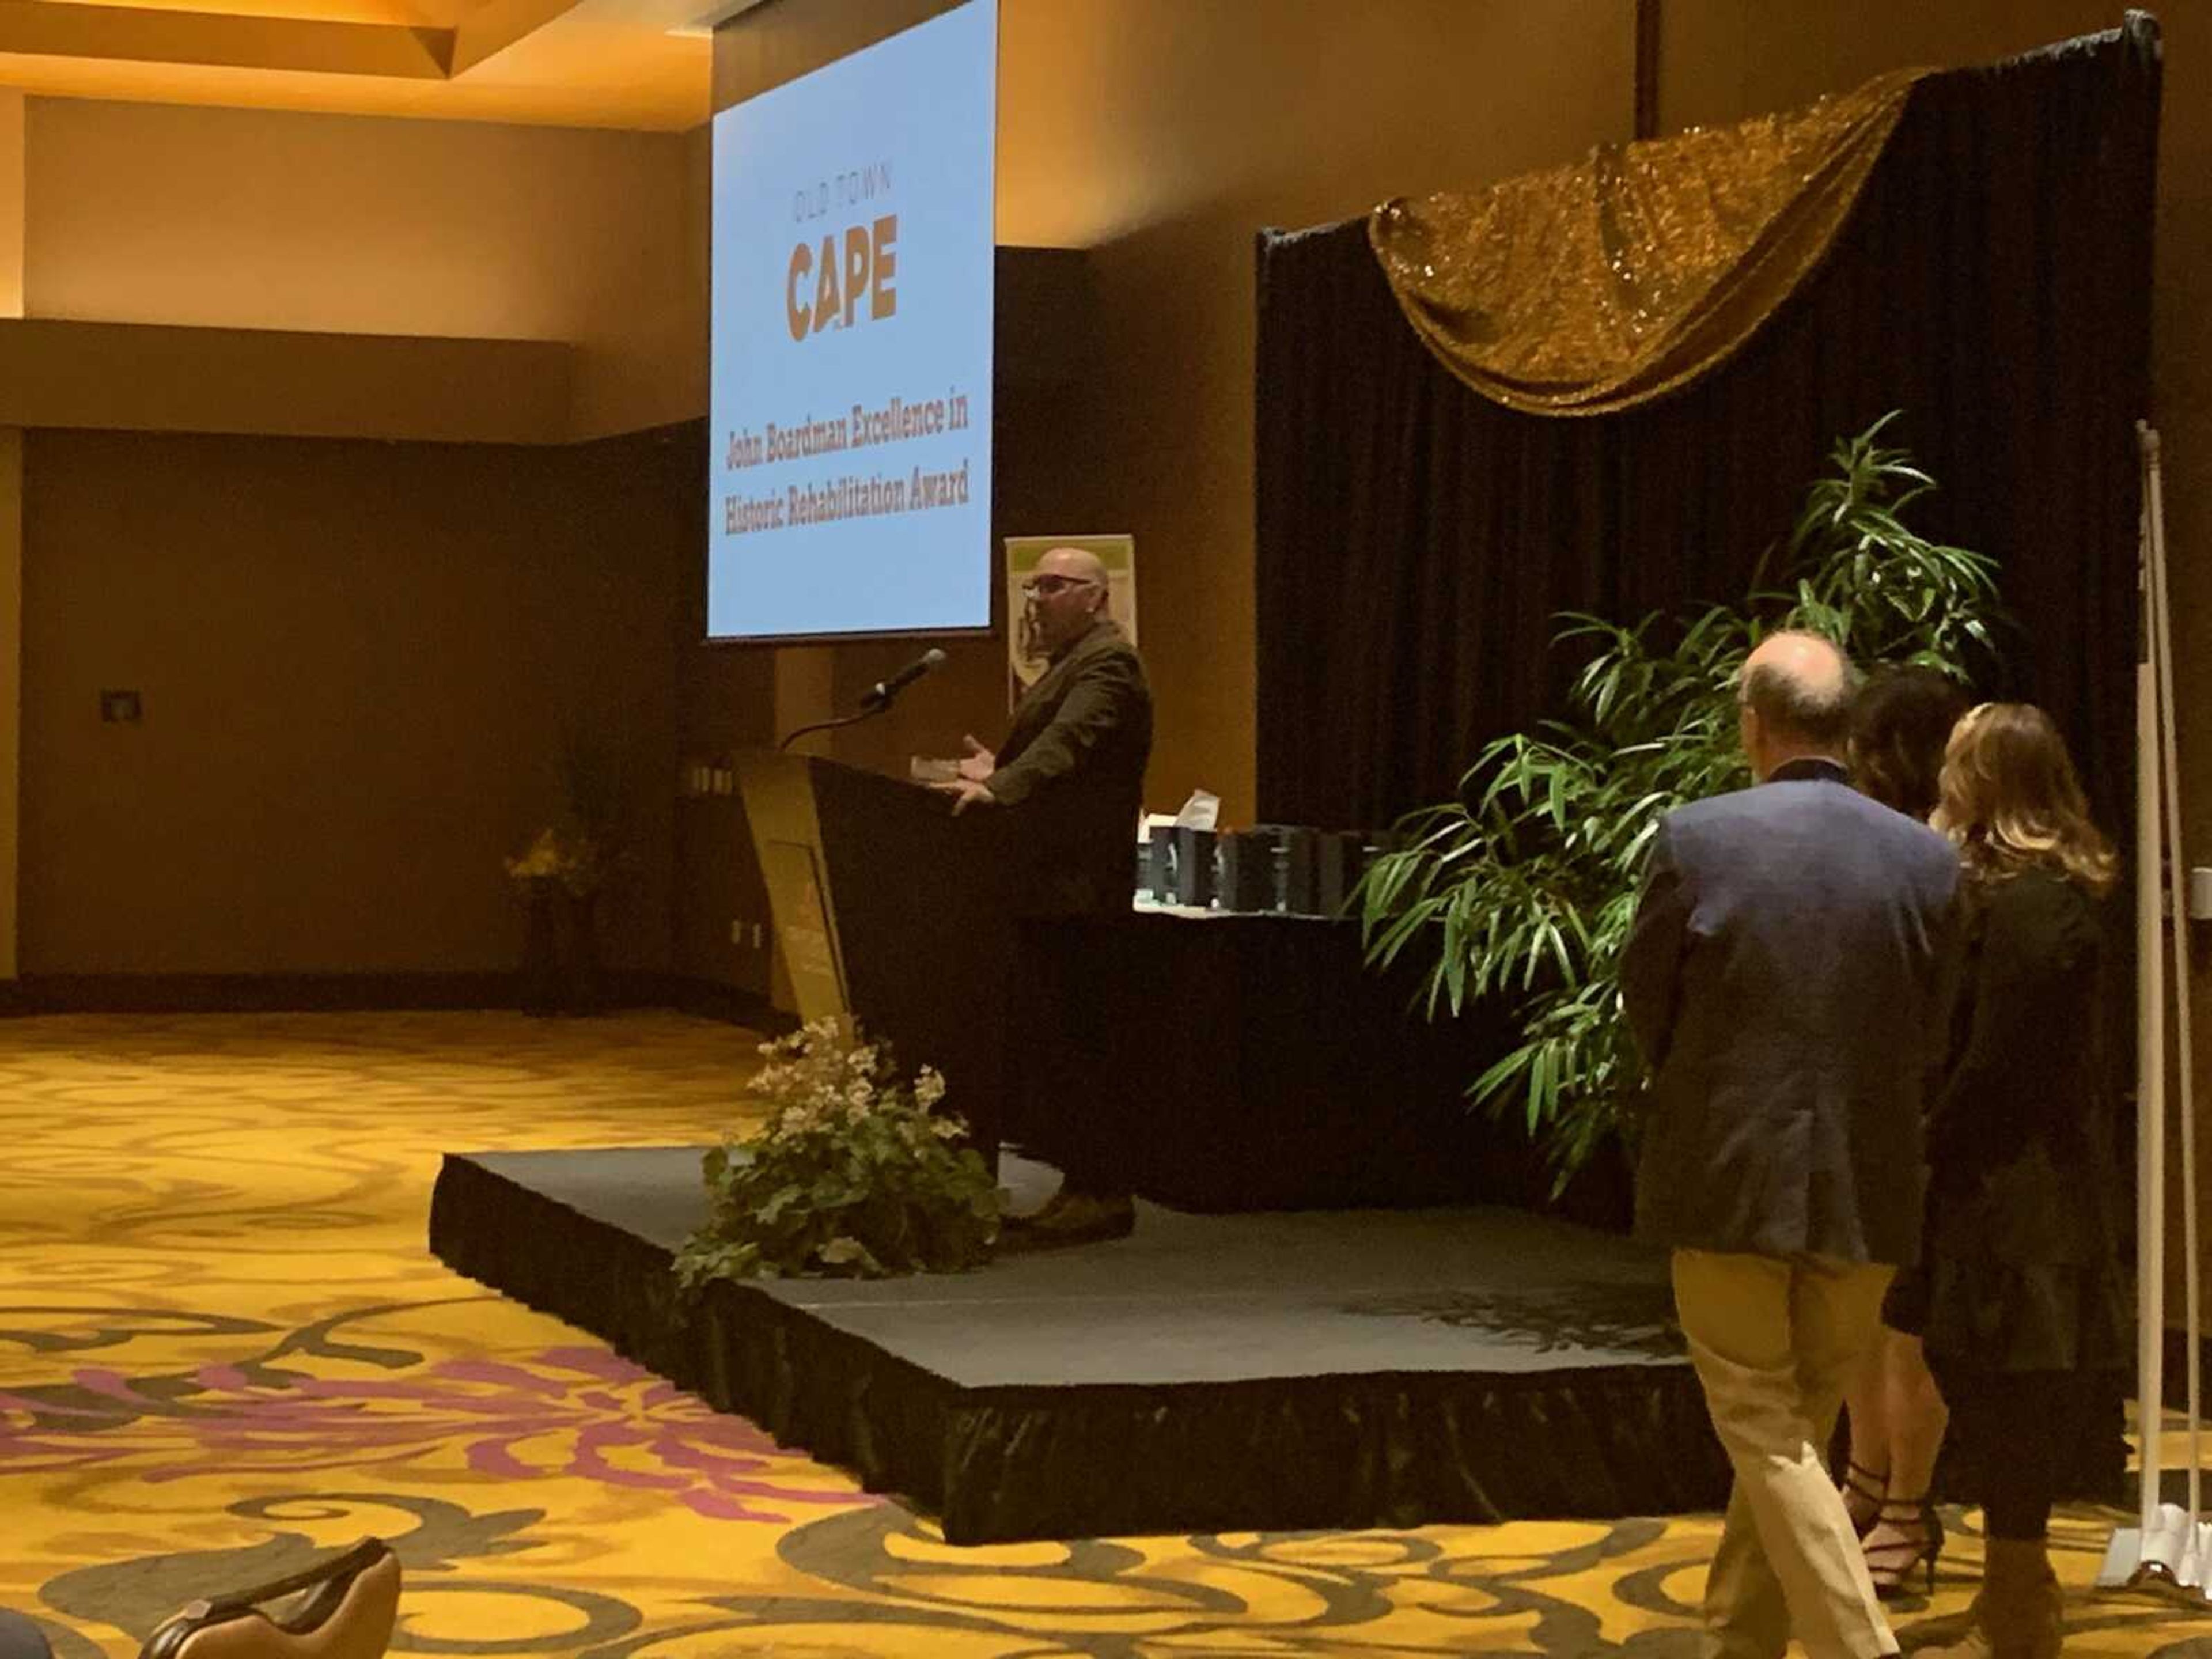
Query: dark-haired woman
[[1901, 723], [2024, 1302]]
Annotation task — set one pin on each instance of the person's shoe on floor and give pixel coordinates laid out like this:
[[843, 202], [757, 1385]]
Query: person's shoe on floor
[[2019, 1612], [1071, 1219]]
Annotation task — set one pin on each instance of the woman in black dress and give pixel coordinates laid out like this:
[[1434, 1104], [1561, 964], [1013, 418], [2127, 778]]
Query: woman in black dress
[[2020, 1291], [1901, 725]]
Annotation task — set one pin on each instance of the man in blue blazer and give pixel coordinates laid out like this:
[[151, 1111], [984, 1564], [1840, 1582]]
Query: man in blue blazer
[[1781, 981]]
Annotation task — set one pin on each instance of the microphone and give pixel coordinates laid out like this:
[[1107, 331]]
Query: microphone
[[879, 695]]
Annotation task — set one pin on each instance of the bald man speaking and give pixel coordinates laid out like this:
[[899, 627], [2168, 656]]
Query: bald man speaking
[[1071, 772], [1781, 980]]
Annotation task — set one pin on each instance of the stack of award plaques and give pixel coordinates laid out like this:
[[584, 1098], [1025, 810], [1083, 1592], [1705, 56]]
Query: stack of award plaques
[[1280, 869]]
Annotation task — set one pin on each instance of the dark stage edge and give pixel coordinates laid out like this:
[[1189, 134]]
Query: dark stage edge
[[1271, 1372]]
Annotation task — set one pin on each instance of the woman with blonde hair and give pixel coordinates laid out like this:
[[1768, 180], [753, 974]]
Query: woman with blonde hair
[[2019, 1292]]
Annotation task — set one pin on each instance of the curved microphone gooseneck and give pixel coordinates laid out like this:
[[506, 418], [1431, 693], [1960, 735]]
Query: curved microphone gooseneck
[[797, 733], [874, 701]]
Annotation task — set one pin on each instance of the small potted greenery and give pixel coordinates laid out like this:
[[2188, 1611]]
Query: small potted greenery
[[851, 1171]]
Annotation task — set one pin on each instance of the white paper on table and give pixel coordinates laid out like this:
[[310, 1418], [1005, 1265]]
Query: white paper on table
[[1201, 812]]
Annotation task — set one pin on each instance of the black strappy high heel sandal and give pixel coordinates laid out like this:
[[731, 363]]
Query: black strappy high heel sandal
[[352, 1601], [1861, 1482], [1891, 1561]]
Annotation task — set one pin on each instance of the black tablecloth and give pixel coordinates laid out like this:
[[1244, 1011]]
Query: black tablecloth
[[1244, 1062]]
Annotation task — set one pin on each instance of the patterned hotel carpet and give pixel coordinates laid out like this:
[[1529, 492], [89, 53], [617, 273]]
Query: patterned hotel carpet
[[224, 1350]]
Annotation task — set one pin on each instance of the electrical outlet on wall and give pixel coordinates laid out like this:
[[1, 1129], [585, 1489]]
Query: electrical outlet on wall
[[736, 930], [757, 936]]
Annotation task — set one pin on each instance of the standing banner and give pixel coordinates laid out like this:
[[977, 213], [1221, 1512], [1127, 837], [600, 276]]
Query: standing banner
[[1117, 553]]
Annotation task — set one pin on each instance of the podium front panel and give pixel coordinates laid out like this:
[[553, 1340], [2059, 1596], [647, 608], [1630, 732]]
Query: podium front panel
[[794, 875]]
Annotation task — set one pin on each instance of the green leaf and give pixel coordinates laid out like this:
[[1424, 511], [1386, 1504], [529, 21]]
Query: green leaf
[[1524, 885], [847, 1190]]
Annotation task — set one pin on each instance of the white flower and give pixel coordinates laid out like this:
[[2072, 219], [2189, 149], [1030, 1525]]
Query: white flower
[[771, 1082]]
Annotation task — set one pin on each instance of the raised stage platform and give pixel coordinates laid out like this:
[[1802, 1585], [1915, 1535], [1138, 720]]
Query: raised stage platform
[[1269, 1371]]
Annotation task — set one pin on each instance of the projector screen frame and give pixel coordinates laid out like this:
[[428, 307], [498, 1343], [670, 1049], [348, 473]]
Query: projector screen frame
[[991, 630], [768, 46]]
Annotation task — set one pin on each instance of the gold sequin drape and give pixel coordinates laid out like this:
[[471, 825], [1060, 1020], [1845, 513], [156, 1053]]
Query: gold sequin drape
[[1593, 287]]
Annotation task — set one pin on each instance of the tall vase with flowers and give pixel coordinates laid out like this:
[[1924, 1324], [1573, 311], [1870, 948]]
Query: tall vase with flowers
[[560, 876], [563, 874]]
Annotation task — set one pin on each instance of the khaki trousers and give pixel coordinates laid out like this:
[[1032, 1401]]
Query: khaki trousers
[[1774, 1340]]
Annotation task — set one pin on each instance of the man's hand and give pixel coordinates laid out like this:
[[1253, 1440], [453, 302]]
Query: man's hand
[[979, 764], [966, 792]]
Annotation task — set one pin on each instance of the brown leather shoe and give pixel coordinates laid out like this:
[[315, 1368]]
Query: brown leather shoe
[[2019, 1613], [346, 1611], [1070, 1218]]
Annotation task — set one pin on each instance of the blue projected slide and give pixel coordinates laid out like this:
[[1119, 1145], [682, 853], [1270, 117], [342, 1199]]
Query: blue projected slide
[[849, 477]]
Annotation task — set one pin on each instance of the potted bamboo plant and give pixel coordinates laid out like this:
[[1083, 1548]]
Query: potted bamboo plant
[[1525, 885]]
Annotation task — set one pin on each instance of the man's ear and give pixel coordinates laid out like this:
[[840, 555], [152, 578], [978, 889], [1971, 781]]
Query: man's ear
[[1753, 732]]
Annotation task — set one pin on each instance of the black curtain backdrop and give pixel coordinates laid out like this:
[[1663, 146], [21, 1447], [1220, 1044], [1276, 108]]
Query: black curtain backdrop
[[1416, 542]]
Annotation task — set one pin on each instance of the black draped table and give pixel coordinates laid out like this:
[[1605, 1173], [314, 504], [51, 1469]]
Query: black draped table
[[1219, 1062]]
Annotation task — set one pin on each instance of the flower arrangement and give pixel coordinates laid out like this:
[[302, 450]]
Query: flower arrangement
[[574, 859], [587, 843], [851, 1173]]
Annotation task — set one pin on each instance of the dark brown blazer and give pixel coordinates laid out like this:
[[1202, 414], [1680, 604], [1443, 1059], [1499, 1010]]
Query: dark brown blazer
[[1070, 770]]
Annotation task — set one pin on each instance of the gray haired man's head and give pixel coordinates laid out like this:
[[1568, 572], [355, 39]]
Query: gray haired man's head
[[1795, 694]]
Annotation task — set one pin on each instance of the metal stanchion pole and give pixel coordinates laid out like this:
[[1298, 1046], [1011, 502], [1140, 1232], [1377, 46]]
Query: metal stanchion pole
[[2170, 1547], [2150, 1074]]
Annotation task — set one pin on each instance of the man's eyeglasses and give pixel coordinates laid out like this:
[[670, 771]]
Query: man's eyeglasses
[[1043, 587]]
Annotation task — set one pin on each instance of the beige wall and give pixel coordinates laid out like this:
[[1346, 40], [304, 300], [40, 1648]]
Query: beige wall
[[11, 530], [159, 377], [357, 662], [351, 224], [643, 346], [12, 118], [11, 682], [357, 657]]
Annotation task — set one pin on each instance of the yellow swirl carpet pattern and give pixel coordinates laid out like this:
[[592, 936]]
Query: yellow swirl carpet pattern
[[224, 1352]]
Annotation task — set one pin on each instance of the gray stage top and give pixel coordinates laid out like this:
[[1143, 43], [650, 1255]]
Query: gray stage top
[[1202, 1299]]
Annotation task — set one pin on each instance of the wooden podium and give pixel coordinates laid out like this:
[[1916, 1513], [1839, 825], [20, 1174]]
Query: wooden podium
[[889, 910]]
